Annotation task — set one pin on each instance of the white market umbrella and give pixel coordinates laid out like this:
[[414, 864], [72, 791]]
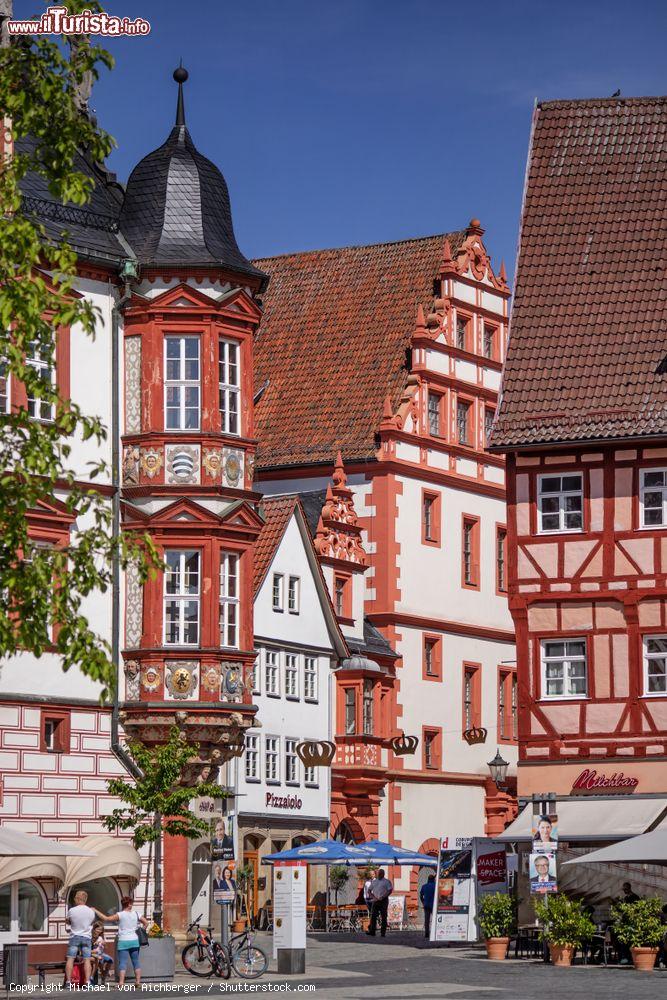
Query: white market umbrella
[[648, 849], [16, 844]]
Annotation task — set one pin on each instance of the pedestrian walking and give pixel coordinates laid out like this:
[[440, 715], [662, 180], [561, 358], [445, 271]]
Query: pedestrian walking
[[127, 946], [381, 889], [427, 896]]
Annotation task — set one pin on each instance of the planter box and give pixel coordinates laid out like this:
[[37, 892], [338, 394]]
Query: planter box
[[158, 961]]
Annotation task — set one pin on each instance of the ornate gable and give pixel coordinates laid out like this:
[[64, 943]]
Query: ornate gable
[[338, 534]]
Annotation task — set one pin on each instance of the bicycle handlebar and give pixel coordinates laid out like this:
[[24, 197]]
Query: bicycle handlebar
[[195, 921]]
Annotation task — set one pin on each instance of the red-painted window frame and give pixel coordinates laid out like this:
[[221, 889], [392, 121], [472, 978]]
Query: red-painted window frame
[[436, 744], [474, 522], [435, 498], [346, 606], [501, 531], [475, 672], [436, 659], [507, 718], [63, 740]]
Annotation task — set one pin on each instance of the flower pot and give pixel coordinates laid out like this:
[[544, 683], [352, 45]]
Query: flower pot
[[496, 948], [561, 954], [644, 958], [238, 925]]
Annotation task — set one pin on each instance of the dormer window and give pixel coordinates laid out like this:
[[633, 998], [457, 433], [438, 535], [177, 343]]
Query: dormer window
[[182, 383], [229, 378], [343, 595]]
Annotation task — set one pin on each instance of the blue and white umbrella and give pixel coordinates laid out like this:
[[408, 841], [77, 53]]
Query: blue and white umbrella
[[321, 852], [377, 852]]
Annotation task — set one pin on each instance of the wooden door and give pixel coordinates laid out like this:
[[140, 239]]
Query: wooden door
[[251, 858]]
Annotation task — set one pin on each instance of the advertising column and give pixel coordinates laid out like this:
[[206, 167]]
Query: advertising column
[[451, 912]]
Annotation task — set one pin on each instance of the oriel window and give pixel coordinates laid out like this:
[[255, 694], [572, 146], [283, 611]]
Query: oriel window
[[229, 386], [181, 598], [182, 383]]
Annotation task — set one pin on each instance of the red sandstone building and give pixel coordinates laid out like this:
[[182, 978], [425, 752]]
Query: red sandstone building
[[583, 424]]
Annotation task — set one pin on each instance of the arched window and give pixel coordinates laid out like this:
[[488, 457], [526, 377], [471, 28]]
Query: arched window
[[33, 910], [103, 894], [344, 834]]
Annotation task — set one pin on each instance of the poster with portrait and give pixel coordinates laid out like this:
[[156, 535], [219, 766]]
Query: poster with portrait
[[542, 872], [453, 890], [545, 832], [222, 839], [223, 882]]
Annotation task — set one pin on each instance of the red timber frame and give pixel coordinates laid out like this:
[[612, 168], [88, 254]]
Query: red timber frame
[[605, 584]]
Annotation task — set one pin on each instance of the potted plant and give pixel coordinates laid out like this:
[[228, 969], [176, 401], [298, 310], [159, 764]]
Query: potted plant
[[338, 876], [496, 919], [639, 926], [244, 881], [565, 926]]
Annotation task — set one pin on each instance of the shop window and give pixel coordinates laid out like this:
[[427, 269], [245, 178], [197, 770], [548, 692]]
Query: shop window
[[32, 908], [655, 664], [432, 665], [560, 503], [277, 600], [291, 676], [564, 668], [229, 386], [434, 405], [472, 696], [653, 498], [507, 706], [350, 711], [55, 731], [343, 595], [463, 422], [181, 598], [501, 559], [431, 749], [430, 517], [181, 383], [470, 552], [293, 589], [102, 894], [229, 600]]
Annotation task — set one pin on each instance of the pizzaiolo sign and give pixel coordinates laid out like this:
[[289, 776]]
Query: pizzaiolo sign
[[589, 782]]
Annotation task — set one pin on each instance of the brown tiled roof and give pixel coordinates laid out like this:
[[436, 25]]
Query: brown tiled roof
[[333, 343], [589, 320], [277, 512]]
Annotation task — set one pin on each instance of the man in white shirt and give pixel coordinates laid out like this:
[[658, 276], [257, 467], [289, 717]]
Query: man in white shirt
[[381, 889], [80, 919], [368, 899]]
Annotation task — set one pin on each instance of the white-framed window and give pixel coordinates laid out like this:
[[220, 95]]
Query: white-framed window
[[272, 673], [252, 757], [310, 777], [310, 678], [272, 759], [291, 762], [653, 498], [564, 668], [5, 401], [293, 595], [655, 664], [181, 597], [229, 385], [560, 503], [277, 600], [256, 675], [229, 599], [181, 383], [291, 675], [40, 359]]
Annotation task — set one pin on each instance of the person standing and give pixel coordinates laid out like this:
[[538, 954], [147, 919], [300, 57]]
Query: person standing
[[427, 896], [368, 898], [381, 889], [80, 918], [127, 945]]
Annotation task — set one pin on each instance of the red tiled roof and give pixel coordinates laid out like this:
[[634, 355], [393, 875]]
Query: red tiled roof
[[277, 512], [589, 320], [332, 344]]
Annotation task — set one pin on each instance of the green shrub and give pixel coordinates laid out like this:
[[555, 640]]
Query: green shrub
[[496, 915], [639, 924], [338, 876], [564, 921]]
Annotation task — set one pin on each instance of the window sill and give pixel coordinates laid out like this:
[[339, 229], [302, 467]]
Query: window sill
[[292, 697], [294, 612], [431, 677], [562, 531], [308, 784], [293, 784], [273, 694], [549, 700], [272, 781], [253, 781], [278, 611], [654, 694], [311, 701]]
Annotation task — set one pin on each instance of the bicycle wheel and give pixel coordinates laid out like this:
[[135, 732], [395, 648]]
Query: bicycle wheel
[[222, 967], [249, 961], [196, 960]]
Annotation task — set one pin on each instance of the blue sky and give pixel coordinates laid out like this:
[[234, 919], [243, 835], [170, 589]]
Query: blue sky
[[360, 121]]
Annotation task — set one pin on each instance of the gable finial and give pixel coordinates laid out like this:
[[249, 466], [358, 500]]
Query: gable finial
[[180, 76]]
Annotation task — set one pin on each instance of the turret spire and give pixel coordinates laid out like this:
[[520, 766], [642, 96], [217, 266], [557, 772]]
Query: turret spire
[[180, 76]]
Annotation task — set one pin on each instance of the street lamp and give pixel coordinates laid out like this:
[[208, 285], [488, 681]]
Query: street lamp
[[498, 768]]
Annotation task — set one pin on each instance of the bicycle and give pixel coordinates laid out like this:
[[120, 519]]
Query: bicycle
[[246, 958], [205, 957]]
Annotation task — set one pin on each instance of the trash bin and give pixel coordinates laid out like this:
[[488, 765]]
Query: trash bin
[[15, 963]]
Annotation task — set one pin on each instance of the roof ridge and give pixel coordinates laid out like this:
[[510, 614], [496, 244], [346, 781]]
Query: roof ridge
[[361, 246], [574, 101]]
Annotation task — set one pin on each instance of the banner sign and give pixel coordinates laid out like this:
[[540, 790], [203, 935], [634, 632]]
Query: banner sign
[[542, 866], [468, 868], [222, 841], [223, 882], [396, 911]]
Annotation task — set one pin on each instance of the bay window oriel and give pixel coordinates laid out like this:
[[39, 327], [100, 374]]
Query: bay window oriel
[[182, 590], [229, 386], [182, 383], [229, 599]]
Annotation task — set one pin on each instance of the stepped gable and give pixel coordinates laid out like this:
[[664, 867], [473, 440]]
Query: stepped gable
[[588, 336]]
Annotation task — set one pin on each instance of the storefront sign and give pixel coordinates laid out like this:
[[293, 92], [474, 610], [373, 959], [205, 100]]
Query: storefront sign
[[589, 782], [283, 801], [491, 868]]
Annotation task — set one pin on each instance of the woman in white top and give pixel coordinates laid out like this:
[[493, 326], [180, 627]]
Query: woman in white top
[[127, 945]]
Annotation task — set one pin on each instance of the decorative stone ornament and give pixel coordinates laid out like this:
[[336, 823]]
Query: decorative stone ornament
[[151, 676], [181, 678], [131, 455], [210, 680], [314, 753], [232, 685], [183, 463], [232, 468], [403, 745], [133, 385], [132, 672], [151, 461], [212, 462], [134, 605], [475, 735]]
